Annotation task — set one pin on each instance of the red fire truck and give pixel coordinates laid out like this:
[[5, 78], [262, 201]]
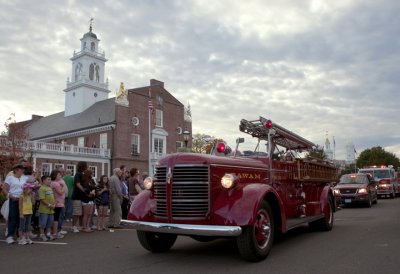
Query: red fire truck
[[250, 198], [387, 179]]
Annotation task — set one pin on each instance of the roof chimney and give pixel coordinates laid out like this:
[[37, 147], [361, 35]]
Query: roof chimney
[[154, 82], [36, 117]]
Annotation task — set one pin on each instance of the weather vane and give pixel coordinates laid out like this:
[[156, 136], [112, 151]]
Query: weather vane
[[90, 24]]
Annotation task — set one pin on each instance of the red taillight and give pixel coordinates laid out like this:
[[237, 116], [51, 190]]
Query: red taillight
[[221, 147], [268, 124]]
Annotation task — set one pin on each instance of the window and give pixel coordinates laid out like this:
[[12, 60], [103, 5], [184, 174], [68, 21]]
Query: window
[[91, 71], [92, 46], [94, 171], [81, 141], [46, 168], [159, 118], [58, 166], [103, 140], [158, 145], [135, 141], [179, 144], [72, 168]]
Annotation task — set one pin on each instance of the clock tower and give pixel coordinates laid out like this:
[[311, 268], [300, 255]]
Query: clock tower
[[87, 85]]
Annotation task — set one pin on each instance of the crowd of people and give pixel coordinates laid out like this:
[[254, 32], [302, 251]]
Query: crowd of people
[[37, 206]]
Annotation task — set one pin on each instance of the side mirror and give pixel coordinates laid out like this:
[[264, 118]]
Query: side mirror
[[239, 140]]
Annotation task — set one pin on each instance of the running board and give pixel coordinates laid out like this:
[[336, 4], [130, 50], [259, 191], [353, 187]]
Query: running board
[[295, 222]]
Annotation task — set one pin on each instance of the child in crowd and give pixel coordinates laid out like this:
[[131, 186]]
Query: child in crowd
[[26, 203], [102, 202], [59, 189], [46, 209], [35, 195]]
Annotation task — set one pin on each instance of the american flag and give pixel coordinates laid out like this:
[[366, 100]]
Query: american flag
[[150, 105]]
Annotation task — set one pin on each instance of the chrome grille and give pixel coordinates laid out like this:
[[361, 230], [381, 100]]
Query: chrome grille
[[189, 193], [348, 190], [160, 192]]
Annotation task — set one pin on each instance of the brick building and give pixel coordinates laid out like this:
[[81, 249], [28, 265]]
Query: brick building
[[135, 128]]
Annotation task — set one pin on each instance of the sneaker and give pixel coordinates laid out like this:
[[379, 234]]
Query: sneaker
[[75, 229], [6, 232], [63, 232], [59, 235], [29, 242], [22, 242], [50, 237], [33, 235], [43, 237], [10, 240]]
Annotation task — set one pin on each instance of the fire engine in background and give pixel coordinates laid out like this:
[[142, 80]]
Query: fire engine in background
[[387, 178], [249, 198]]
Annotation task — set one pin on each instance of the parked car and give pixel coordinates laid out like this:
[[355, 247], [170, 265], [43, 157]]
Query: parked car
[[356, 188]]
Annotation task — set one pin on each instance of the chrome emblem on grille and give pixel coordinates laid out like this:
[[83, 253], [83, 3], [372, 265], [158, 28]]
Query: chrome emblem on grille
[[169, 175]]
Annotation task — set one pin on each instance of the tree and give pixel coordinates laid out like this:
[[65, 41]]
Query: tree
[[377, 156], [316, 153], [203, 143], [12, 144], [200, 142]]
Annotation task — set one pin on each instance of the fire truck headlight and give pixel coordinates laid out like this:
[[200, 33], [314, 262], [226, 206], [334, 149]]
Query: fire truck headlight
[[228, 180], [362, 190], [148, 183]]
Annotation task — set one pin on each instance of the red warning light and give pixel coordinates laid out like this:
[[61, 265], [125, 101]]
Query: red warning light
[[268, 124], [221, 147]]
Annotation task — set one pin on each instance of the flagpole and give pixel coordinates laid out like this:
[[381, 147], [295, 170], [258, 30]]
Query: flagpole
[[150, 169]]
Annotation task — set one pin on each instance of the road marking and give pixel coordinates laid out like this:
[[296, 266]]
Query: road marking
[[36, 242]]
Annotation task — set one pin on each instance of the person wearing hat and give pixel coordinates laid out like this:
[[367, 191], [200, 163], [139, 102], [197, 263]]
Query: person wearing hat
[[26, 203], [13, 190]]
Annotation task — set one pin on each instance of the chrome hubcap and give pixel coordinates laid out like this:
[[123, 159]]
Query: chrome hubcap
[[262, 229]]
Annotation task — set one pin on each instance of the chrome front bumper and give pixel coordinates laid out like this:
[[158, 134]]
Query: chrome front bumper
[[184, 229]]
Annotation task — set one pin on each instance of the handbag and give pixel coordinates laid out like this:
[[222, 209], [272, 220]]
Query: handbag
[[5, 209]]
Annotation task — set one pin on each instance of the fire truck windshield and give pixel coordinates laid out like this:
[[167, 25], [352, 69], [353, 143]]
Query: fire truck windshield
[[377, 173]]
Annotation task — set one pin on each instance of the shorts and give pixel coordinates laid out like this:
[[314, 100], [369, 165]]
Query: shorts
[[45, 220], [57, 213], [25, 223], [77, 208]]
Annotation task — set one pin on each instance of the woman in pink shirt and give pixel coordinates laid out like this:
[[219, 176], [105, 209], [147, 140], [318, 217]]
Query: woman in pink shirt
[[59, 189]]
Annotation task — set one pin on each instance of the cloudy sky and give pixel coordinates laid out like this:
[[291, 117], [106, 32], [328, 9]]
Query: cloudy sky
[[308, 65]]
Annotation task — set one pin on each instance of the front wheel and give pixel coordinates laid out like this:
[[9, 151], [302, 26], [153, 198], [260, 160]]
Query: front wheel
[[256, 240], [393, 194], [369, 202], [156, 242], [326, 223]]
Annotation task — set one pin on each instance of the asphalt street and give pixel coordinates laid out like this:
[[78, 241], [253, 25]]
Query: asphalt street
[[363, 240]]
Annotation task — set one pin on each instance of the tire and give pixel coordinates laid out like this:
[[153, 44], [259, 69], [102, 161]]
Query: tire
[[393, 194], [156, 242], [369, 202], [324, 224], [256, 240]]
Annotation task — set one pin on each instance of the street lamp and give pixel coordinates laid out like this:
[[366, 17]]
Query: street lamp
[[186, 134]]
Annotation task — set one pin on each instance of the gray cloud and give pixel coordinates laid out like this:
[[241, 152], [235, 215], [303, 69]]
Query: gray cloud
[[310, 66]]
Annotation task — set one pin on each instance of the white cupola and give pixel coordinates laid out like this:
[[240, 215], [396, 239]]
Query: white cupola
[[88, 84]]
